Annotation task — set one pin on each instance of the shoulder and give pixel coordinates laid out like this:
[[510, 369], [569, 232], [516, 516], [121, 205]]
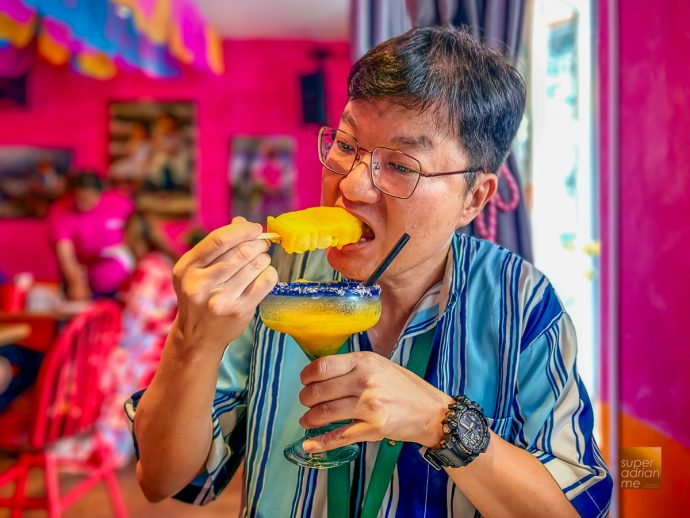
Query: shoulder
[[502, 278], [61, 218], [154, 261], [117, 201], [62, 207], [491, 263]]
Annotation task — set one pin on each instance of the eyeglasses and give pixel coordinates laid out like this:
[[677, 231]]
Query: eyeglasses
[[392, 172]]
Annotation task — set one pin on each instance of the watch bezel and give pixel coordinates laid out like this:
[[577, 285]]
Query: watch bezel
[[453, 452]]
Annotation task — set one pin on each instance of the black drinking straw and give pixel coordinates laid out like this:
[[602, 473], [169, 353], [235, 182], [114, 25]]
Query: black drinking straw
[[387, 260]]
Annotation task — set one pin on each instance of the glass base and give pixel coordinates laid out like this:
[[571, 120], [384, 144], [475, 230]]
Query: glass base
[[326, 460]]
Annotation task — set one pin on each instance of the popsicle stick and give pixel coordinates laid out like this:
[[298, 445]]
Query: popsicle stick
[[270, 236]]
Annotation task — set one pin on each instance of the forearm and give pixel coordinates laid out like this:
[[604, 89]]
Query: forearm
[[72, 271], [505, 480], [173, 422], [219, 284], [508, 481]]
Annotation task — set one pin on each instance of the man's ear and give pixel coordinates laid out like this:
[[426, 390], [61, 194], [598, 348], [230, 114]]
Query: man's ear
[[475, 200]]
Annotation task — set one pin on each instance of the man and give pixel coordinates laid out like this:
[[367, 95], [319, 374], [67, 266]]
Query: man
[[424, 109], [88, 227]]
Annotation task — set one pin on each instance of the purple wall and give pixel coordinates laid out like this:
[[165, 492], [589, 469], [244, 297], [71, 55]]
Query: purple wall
[[258, 94]]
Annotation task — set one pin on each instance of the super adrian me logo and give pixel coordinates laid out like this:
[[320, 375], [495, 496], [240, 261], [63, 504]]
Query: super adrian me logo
[[640, 468]]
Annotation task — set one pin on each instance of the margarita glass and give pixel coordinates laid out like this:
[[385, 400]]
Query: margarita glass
[[320, 317]]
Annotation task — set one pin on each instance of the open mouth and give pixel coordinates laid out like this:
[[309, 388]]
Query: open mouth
[[367, 233]]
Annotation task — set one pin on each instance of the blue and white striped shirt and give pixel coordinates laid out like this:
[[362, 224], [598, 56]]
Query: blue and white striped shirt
[[502, 338]]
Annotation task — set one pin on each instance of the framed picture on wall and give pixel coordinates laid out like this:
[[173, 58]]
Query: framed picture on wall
[[152, 153], [262, 176], [31, 178]]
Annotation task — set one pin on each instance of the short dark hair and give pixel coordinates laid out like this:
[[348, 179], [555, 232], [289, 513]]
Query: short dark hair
[[477, 94], [86, 179]]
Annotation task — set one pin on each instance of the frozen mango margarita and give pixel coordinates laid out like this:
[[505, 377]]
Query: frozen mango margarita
[[320, 317]]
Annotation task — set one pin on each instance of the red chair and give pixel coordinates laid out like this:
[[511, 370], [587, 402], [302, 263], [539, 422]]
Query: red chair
[[65, 403]]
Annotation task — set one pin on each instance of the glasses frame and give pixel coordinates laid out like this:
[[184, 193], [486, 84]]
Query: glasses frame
[[358, 159]]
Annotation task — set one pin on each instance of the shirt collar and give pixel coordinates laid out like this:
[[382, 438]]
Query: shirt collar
[[435, 302]]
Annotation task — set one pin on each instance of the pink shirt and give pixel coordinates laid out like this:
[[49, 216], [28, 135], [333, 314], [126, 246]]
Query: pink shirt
[[97, 236]]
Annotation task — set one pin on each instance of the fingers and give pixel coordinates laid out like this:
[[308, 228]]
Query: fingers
[[329, 390], [341, 436], [249, 286], [331, 412], [259, 288], [247, 274], [228, 264], [328, 367], [218, 242]]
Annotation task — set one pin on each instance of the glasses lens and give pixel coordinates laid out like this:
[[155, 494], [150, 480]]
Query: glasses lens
[[337, 150], [394, 172]]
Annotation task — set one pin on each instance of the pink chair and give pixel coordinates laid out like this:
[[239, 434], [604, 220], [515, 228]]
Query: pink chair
[[65, 403]]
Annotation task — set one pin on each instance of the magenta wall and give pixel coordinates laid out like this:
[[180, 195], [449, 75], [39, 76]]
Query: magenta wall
[[654, 211], [258, 94], [653, 94], [654, 241]]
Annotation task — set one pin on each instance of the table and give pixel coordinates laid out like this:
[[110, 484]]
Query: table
[[43, 326], [13, 333]]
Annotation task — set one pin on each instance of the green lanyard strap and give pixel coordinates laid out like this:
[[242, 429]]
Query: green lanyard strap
[[387, 458]]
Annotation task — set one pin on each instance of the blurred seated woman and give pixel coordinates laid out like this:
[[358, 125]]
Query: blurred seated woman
[[88, 226], [149, 299], [149, 308]]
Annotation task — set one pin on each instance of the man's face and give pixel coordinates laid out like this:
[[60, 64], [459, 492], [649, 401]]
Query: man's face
[[429, 216]]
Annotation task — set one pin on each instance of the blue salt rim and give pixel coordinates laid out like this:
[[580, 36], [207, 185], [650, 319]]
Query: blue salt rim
[[325, 289]]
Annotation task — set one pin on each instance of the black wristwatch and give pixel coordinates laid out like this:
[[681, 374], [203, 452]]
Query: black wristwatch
[[466, 435]]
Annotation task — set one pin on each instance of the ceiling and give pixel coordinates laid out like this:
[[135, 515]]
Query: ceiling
[[278, 19]]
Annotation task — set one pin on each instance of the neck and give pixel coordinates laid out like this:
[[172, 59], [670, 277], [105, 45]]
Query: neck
[[399, 296]]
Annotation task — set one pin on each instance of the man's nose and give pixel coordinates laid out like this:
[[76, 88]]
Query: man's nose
[[357, 185]]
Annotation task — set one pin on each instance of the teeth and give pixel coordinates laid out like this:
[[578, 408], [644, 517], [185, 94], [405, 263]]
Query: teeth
[[362, 240]]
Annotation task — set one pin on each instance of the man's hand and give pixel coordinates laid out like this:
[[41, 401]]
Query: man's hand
[[383, 399], [219, 283]]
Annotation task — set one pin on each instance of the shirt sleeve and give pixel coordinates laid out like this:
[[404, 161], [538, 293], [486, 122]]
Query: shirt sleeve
[[229, 423], [556, 417]]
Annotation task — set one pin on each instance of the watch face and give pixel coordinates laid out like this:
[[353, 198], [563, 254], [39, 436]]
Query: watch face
[[471, 430]]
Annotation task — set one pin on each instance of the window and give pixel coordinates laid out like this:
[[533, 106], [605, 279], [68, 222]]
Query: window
[[556, 152]]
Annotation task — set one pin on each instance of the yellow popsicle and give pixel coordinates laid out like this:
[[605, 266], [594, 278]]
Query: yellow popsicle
[[317, 227]]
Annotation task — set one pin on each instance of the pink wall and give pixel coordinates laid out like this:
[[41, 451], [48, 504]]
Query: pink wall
[[654, 240], [654, 213], [258, 94], [655, 207]]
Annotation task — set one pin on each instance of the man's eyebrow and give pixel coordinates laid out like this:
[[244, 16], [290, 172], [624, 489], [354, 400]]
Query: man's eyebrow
[[346, 117], [416, 142]]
